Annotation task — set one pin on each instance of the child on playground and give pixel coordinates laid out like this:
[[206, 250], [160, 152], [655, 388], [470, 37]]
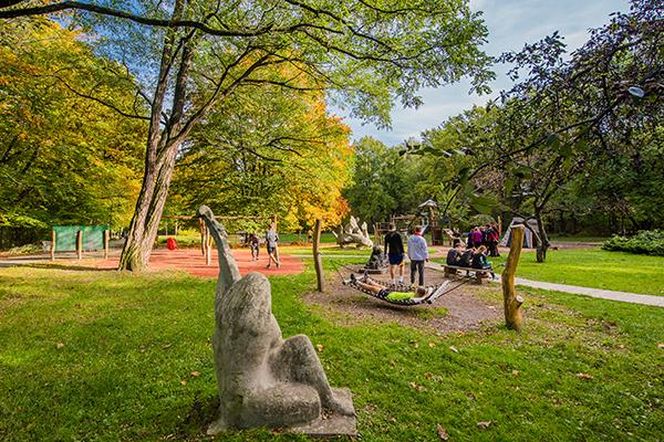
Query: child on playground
[[254, 246], [455, 253], [480, 261], [467, 257]]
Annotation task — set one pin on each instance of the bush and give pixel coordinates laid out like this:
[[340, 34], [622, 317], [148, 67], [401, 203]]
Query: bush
[[646, 242], [28, 249]]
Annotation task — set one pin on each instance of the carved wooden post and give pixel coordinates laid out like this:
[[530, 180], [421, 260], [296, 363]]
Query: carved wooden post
[[202, 228], [513, 315], [208, 247], [106, 243], [275, 219], [318, 262], [53, 239], [79, 244]]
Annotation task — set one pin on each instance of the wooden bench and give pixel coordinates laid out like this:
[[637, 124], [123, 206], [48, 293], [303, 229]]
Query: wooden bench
[[480, 274]]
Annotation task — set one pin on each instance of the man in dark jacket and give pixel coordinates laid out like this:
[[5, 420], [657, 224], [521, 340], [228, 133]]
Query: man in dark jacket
[[394, 250], [454, 254]]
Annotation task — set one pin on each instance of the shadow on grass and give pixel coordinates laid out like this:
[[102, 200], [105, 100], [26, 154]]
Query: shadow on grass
[[201, 414], [73, 267]]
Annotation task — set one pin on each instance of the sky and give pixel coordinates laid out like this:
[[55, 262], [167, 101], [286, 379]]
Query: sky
[[511, 24]]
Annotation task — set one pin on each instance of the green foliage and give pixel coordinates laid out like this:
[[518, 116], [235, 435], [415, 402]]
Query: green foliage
[[270, 151], [568, 138], [63, 158], [28, 249], [384, 183], [647, 242], [126, 357]]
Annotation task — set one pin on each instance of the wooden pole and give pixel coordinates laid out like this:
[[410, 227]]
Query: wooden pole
[[512, 301], [318, 262], [79, 244], [106, 243], [208, 247], [202, 228], [275, 220], [53, 239]]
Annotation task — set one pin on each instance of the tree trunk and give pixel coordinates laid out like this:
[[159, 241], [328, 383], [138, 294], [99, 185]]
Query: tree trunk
[[512, 302], [542, 238], [160, 152], [149, 208]]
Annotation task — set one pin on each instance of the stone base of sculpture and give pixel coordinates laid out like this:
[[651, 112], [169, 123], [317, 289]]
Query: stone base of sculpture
[[331, 425], [263, 379]]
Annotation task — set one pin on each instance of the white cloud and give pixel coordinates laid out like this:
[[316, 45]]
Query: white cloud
[[511, 24]]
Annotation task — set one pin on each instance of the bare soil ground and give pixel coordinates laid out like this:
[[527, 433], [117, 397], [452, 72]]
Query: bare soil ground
[[457, 311]]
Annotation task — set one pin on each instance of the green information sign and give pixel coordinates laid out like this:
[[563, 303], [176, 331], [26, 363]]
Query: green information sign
[[65, 238]]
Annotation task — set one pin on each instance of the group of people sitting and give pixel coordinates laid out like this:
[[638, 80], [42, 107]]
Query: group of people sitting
[[476, 258], [487, 236]]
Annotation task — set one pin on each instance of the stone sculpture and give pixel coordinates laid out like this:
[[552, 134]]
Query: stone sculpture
[[377, 262], [353, 233], [263, 380]]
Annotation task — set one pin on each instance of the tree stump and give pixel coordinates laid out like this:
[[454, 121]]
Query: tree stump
[[512, 302]]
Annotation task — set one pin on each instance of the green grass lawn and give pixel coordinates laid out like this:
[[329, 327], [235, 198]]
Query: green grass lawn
[[594, 268], [577, 238], [90, 355]]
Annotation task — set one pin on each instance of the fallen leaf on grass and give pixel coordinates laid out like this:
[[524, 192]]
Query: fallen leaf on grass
[[484, 424], [442, 433], [584, 376], [59, 345], [515, 372], [319, 347], [432, 344], [195, 373], [660, 345], [454, 349], [183, 382], [416, 387]]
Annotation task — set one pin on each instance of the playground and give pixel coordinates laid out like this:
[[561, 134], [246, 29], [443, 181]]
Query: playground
[[212, 229], [189, 260]]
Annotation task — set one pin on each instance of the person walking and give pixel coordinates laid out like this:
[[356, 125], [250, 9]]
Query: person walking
[[393, 246], [418, 252], [271, 240], [254, 245]]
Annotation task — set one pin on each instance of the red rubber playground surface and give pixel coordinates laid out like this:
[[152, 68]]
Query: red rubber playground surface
[[193, 262]]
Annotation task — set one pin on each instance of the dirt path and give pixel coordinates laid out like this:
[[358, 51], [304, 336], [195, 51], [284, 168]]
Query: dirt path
[[464, 309]]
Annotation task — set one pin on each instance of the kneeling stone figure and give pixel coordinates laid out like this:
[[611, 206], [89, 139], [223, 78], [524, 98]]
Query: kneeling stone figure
[[263, 380]]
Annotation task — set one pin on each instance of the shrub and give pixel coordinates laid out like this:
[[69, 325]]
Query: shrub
[[646, 242]]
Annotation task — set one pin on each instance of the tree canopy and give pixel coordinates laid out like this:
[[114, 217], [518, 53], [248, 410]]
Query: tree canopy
[[573, 128], [269, 151], [63, 158]]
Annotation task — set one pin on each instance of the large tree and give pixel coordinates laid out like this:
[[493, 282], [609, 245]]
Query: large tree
[[366, 53], [568, 118], [291, 160], [63, 157]]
